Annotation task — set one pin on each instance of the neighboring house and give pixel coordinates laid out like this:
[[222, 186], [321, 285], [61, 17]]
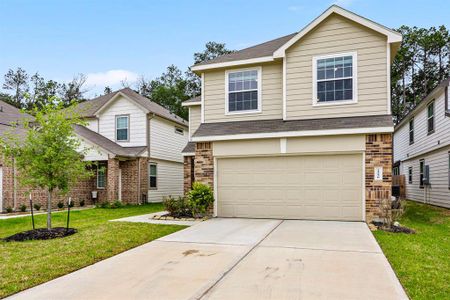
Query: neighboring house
[[299, 127], [422, 149], [135, 145]]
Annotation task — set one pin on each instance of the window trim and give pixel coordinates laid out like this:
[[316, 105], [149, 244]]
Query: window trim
[[421, 172], [149, 175], [315, 100], [104, 171], [259, 90], [128, 127], [411, 121], [433, 117], [410, 175]]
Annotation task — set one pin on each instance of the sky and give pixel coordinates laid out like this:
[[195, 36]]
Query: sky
[[115, 40]]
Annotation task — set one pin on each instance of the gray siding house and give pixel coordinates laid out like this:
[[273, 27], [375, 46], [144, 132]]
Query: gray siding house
[[421, 143]]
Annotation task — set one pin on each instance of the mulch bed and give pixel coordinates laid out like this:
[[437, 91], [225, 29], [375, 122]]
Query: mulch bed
[[41, 234], [394, 229]]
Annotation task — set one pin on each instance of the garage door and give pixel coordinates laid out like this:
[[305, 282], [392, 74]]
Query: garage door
[[320, 187]]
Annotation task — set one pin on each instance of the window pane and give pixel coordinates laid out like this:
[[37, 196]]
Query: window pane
[[321, 74], [348, 95], [243, 90], [122, 122], [152, 170], [122, 134], [153, 182]]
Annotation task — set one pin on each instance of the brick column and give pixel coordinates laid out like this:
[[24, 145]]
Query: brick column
[[130, 190], [204, 164], [144, 177], [378, 154], [112, 182], [188, 164]]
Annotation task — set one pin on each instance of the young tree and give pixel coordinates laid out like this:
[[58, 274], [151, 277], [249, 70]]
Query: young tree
[[49, 157]]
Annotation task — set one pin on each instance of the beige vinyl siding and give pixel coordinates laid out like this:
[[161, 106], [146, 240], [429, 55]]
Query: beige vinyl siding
[[137, 121], [92, 124], [169, 180], [422, 141], [272, 95], [337, 35], [165, 143], [439, 193], [194, 118]]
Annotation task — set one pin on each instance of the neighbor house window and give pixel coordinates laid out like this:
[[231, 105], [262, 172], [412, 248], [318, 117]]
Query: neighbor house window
[[411, 131], [396, 171], [410, 175], [122, 128], [243, 91], [431, 118], [422, 170], [101, 176], [179, 130], [152, 176], [334, 79]]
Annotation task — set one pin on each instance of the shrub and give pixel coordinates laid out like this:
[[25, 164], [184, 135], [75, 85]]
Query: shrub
[[200, 198], [23, 208], [60, 205], [37, 206], [9, 209], [105, 205], [82, 202], [117, 204], [177, 207], [72, 204]]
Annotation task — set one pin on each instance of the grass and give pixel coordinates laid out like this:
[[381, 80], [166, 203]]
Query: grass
[[26, 264], [422, 260]]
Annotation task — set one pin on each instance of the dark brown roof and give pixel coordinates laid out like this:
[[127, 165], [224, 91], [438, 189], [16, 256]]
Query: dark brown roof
[[90, 107], [190, 148], [261, 50], [193, 100], [10, 115], [107, 144], [270, 126]]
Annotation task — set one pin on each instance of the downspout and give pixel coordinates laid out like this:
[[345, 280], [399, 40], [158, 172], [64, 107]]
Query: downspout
[[139, 181]]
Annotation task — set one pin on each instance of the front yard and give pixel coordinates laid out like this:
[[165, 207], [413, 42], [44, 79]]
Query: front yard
[[26, 264], [422, 260]]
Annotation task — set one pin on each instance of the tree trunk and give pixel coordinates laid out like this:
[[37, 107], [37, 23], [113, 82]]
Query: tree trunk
[[49, 210]]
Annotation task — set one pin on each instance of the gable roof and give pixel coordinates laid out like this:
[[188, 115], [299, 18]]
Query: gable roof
[[106, 144], [9, 115], [92, 107], [274, 49]]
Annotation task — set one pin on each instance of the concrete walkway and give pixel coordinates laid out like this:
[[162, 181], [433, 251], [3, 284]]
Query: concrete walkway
[[148, 218], [37, 213], [239, 259]]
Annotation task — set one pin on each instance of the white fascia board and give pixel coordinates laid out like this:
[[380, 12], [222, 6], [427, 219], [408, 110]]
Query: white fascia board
[[392, 36], [192, 103], [233, 63], [104, 106], [389, 129], [188, 154]]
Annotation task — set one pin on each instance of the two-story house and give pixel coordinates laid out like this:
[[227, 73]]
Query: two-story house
[[298, 127], [135, 145], [422, 149]]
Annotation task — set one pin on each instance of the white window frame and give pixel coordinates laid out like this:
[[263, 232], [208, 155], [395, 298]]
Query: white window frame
[[149, 175], [411, 129], [104, 171], [432, 117], [410, 175], [259, 89], [128, 127], [315, 101]]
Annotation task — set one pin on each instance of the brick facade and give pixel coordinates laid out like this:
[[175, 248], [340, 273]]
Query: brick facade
[[204, 164], [189, 177], [112, 180], [378, 193]]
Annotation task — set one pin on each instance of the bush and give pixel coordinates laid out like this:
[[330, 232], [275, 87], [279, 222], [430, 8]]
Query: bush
[[105, 205], [117, 204], [37, 206], [72, 204], [23, 208], [60, 205], [82, 202], [200, 198], [177, 207], [9, 209]]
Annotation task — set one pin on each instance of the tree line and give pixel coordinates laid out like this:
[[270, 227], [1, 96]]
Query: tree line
[[422, 61]]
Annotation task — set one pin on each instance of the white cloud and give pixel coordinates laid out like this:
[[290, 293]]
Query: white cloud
[[110, 78]]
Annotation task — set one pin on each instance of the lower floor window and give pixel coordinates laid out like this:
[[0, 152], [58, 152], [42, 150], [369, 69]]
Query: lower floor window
[[422, 170], [101, 176], [410, 175], [152, 175]]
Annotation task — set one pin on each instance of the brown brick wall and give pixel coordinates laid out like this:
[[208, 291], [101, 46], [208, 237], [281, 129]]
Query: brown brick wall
[[112, 180], [144, 178], [204, 164], [130, 188], [378, 153], [187, 170]]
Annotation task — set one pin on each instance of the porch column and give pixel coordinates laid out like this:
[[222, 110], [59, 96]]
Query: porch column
[[112, 182]]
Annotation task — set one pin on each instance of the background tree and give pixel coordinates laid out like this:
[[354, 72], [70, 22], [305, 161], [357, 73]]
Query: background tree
[[17, 83], [107, 90], [74, 90], [49, 157]]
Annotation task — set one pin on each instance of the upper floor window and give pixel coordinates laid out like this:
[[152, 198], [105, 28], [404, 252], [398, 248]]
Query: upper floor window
[[410, 175], [411, 131], [430, 117], [334, 79], [122, 128], [243, 91]]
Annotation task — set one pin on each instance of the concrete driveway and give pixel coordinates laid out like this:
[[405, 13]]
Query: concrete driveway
[[240, 259]]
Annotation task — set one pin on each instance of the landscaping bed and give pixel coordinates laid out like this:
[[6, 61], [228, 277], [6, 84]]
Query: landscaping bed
[[41, 234], [421, 260]]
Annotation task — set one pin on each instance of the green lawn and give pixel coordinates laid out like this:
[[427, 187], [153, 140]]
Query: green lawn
[[421, 260], [26, 264]]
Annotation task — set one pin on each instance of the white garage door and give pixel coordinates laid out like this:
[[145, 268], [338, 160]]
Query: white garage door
[[319, 187]]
